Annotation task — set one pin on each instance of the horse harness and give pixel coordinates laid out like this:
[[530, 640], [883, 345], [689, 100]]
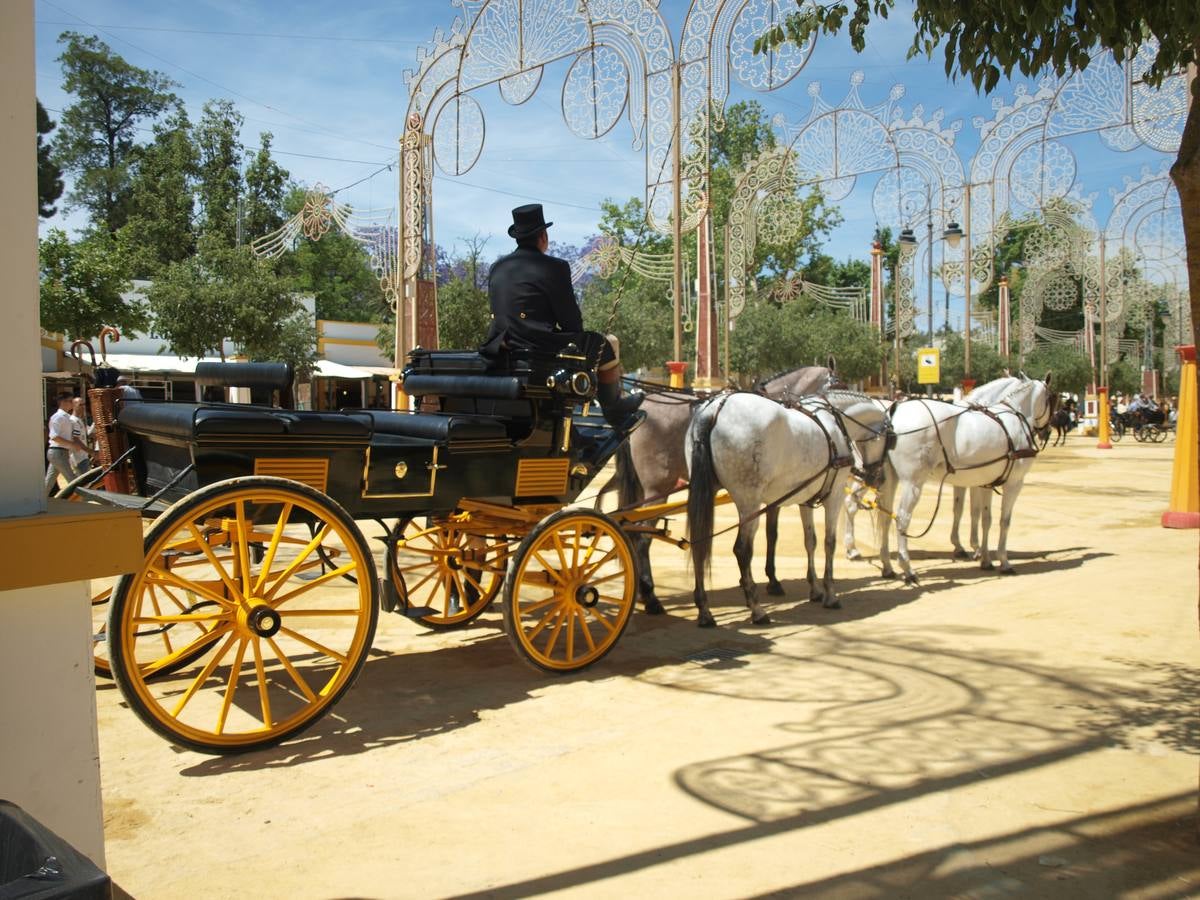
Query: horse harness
[[1009, 457]]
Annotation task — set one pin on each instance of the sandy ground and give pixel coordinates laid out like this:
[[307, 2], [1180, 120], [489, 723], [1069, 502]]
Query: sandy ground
[[975, 736]]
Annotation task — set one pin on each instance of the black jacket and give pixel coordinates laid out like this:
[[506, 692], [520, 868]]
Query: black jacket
[[533, 303]]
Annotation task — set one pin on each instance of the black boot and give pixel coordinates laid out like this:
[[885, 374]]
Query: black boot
[[617, 409]]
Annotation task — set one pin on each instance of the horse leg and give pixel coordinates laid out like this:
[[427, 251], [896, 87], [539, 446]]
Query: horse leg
[[815, 595], [976, 514], [883, 523], [704, 616], [774, 588], [650, 602], [908, 503], [959, 496], [831, 521], [982, 498], [851, 502], [743, 552], [1007, 501]]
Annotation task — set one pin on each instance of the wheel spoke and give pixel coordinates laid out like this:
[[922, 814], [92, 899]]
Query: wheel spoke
[[173, 618], [309, 642], [263, 699], [549, 569], [212, 558], [587, 632], [599, 617], [560, 550], [570, 631], [294, 565], [158, 611], [156, 575], [284, 514], [308, 586], [596, 566], [301, 613], [291, 670], [243, 546], [235, 675], [562, 614], [544, 621], [204, 675]]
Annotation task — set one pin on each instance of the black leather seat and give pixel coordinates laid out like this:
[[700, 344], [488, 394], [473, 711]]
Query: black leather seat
[[434, 427]]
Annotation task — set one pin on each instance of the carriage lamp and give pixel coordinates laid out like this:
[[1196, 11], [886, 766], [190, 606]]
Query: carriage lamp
[[401, 469], [578, 383], [907, 238], [952, 235]]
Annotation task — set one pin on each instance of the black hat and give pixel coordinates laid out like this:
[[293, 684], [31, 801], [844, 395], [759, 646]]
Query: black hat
[[528, 220]]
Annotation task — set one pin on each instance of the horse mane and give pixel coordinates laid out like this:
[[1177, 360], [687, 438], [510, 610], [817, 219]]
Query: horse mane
[[764, 384]]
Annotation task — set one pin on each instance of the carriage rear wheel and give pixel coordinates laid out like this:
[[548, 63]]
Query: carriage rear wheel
[[274, 638], [569, 591], [443, 566]]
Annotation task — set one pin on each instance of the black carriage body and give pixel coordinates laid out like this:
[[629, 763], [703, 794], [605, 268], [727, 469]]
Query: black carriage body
[[507, 435]]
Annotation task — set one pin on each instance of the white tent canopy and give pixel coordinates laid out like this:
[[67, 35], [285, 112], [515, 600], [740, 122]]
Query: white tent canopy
[[140, 363]]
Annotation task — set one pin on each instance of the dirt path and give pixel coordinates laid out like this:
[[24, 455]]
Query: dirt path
[[978, 735]]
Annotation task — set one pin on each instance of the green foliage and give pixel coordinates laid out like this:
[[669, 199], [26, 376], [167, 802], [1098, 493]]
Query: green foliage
[[643, 322], [224, 292], [981, 41], [986, 363], [768, 338], [1070, 367], [1124, 377], [159, 228], [219, 171], [463, 314], [336, 271], [266, 182], [96, 136], [50, 186], [81, 285]]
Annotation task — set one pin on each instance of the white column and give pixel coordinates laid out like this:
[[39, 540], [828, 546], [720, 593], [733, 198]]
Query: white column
[[49, 756]]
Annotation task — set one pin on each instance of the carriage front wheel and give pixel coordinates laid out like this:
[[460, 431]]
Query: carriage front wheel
[[569, 590], [277, 636]]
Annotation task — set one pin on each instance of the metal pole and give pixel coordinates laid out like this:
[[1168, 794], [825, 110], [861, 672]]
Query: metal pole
[[1104, 441], [677, 218], [896, 322], [967, 290], [728, 308], [929, 271]]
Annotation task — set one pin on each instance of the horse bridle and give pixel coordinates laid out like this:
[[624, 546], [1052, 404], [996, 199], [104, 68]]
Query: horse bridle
[[871, 474]]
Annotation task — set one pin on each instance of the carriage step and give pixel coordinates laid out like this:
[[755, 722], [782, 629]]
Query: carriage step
[[389, 601], [418, 612]]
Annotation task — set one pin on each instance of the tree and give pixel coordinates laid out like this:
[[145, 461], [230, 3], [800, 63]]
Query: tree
[[159, 228], [981, 41], [50, 186], [1071, 368], [266, 183], [1124, 377], [336, 271], [224, 292], [219, 183], [82, 283], [96, 137]]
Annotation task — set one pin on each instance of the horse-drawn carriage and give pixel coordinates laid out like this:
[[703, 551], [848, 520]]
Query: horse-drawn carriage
[[258, 596], [1147, 424]]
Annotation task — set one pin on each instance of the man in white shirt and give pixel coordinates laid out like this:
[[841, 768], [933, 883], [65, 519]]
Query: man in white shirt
[[62, 442], [81, 460]]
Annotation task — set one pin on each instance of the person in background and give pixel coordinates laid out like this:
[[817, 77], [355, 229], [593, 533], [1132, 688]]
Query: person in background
[[62, 442], [81, 460], [128, 391]]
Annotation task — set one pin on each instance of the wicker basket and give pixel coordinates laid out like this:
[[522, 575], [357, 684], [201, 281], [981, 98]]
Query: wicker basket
[[110, 442]]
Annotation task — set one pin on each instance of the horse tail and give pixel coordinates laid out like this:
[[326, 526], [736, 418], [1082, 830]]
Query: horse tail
[[702, 488], [629, 486]]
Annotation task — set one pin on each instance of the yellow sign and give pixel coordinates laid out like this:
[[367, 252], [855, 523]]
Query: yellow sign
[[929, 365]]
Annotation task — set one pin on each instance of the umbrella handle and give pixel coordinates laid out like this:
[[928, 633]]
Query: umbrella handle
[[106, 331], [80, 345]]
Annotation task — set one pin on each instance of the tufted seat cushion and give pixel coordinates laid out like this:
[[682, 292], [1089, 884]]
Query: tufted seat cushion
[[434, 427]]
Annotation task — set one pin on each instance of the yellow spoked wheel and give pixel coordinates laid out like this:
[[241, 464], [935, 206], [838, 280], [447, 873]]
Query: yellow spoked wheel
[[441, 566], [569, 591], [275, 636]]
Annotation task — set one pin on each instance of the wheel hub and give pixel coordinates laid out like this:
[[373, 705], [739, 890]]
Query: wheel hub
[[263, 620], [586, 595]]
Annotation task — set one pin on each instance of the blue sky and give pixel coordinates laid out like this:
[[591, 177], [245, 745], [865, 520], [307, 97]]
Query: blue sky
[[326, 80]]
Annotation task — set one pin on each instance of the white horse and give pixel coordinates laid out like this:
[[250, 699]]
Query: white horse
[[764, 453], [974, 447], [856, 495]]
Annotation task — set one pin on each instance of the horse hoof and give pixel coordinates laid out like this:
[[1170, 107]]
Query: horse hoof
[[960, 553], [911, 579], [1008, 570], [763, 619], [775, 589], [987, 566], [887, 573], [976, 555], [832, 604], [853, 555], [653, 607], [706, 622]]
